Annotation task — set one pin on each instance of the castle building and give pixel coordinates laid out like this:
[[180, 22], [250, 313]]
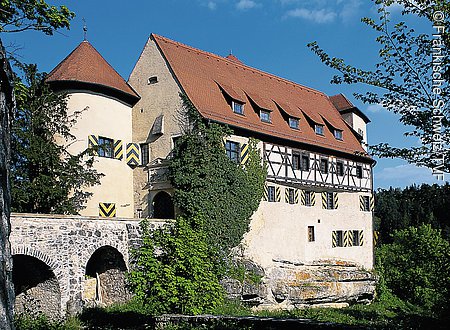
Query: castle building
[[318, 201]]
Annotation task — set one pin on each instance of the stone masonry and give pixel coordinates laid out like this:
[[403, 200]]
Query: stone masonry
[[66, 244]]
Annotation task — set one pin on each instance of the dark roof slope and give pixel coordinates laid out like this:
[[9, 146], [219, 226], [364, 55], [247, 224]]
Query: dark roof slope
[[344, 105], [85, 66], [209, 79]]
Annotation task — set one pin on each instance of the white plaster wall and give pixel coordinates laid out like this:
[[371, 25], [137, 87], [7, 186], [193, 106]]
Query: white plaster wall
[[358, 123], [107, 117]]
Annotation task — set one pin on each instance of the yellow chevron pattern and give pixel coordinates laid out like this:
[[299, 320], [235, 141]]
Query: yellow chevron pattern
[[334, 239], [132, 154], [277, 194], [313, 198], [93, 142], [361, 203], [372, 203], [265, 197], [361, 238], [244, 154], [118, 149], [376, 237], [336, 200], [296, 196], [107, 210], [286, 195], [324, 199], [302, 197], [348, 238]]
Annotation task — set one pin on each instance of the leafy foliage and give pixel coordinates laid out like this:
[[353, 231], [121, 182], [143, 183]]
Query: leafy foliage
[[172, 270], [412, 206], [402, 80], [207, 182], [45, 178], [416, 267], [21, 15]]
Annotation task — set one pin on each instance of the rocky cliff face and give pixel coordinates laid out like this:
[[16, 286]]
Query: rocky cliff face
[[6, 108], [288, 285]]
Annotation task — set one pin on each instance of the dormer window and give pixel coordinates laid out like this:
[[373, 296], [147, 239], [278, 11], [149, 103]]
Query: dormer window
[[338, 134], [265, 116], [319, 129], [293, 123], [237, 107]]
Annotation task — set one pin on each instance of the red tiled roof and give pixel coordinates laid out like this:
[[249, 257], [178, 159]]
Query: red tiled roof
[[206, 78], [85, 64], [344, 105]]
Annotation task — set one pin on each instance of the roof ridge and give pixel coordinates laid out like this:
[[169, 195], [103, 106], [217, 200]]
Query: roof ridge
[[247, 67]]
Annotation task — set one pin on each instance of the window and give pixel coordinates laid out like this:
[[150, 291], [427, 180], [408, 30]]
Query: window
[[291, 195], [105, 147], [311, 237], [338, 134], [365, 203], [271, 193], [356, 238], [330, 200], [232, 150], [152, 80], [361, 132], [338, 239], [340, 168], [293, 123], [305, 163], [144, 154], [296, 161], [237, 107], [265, 116], [175, 140], [309, 198], [324, 165], [319, 129], [359, 172]]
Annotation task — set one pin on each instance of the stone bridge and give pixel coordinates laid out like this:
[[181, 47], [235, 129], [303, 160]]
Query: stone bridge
[[64, 262]]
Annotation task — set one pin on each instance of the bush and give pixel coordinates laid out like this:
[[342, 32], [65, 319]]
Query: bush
[[416, 267]]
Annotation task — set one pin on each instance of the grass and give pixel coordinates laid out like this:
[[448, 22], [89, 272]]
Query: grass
[[388, 312]]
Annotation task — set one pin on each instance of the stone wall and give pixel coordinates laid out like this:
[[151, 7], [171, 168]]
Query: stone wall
[[6, 109], [67, 244]]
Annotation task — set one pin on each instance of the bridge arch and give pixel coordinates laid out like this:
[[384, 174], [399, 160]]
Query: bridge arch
[[104, 282], [36, 286]]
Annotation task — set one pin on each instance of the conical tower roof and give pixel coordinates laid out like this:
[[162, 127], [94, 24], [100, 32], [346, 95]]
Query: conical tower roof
[[85, 68]]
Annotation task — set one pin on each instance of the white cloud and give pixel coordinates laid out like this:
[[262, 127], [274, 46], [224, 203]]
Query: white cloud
[[212, 5], [320, 16], [404, 175], [246, 4], [350, 9], [375, 108]]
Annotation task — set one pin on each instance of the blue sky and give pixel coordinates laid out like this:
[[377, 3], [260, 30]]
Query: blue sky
[[270, 35]]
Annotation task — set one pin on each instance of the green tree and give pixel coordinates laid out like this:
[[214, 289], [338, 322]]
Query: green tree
[[402, 79], [416, 267], [207, 182], [172, 270], [21, 15], [45, 178]]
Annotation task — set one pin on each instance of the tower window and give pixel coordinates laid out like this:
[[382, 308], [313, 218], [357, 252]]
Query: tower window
[[105, 147], [152, 80], [271, 193], [144, 154], [359, 172]]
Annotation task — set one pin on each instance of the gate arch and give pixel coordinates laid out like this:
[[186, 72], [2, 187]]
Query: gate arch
[[163, 207]]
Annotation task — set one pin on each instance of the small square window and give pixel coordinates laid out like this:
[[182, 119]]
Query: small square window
[[144, 154], [308, 198], [319, 129], [324, 165], [238, 107], [305, 163], [340, 168], [311, 236], [361, 132], [105, 147], [356, 238], [265, 116], [338, 134], [232, 150], [152, 80], [293, 123], [291, 195], [271, 193], [359, 172], [296, 161]]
